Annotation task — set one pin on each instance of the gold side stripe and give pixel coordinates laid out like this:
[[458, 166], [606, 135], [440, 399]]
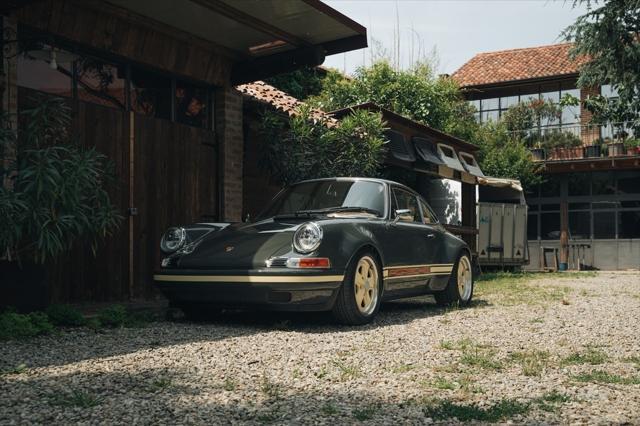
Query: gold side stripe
[[249, 278], [445, 269], [410, 276], [432, 265]]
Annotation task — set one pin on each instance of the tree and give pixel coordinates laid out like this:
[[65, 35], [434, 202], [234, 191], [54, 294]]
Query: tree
[[415, 93], [609, 37], [299, 148], [305, 82]]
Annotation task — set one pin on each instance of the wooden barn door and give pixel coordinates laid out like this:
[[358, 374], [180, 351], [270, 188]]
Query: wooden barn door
[[173, 183]]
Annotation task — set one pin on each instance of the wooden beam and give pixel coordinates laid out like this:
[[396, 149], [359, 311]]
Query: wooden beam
[[251, 21]]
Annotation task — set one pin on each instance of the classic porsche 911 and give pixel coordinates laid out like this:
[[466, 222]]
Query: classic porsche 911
[[340, 244]]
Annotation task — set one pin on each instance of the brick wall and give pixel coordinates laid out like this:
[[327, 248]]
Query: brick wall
[[590, 134], [228, 112]]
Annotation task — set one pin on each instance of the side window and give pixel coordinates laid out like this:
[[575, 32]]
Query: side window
[[406, 200], [427, 214]]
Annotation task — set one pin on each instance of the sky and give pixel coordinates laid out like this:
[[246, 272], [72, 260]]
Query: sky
[[456, 29]]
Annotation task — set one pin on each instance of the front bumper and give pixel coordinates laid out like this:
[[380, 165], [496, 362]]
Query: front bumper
[[281, 289]]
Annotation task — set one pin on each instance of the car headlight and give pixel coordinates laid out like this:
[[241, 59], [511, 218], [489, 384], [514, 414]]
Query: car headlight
[[172, 240], [307, 237]]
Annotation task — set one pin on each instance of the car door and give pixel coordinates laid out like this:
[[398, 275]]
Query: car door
[[407, 247], [434, 233]]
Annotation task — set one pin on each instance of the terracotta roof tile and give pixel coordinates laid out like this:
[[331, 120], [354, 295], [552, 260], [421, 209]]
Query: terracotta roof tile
[[263, 92], [518, 64]]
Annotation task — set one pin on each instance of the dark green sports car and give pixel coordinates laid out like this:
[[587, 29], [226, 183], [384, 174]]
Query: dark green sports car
[[341, 244]]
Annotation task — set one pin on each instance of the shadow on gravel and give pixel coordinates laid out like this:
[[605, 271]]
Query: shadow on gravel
[[76, 345]]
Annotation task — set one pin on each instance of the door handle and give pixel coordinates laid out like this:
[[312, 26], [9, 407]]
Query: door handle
[[431, 236]]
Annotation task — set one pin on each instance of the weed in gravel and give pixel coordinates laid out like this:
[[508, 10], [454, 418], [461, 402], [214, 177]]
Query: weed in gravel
[[270, 416], [484, 359], [19, 326], [161, 383], [537, 321], [551, 401], [347, 372], [633, 360], [65, 316], [77, 398], [533, 362], [403, 368], [521, 288], [444, 384], [229, 384], [501, 410], [18, 369], [591, 356], [599, 376], [270, 389], [365, 413], [329, 409]]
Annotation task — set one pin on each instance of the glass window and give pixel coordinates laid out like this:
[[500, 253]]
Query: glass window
[[101, 83], [551, 96], [530, 97], [629, 224], [603, 183], [608, 91], [490, 116], [150, 94], [492, 103], [629, 182], [406, 200], [191, 105], [508, 101], [579, 206], [550, 226], [551, 187], [38, 70], [532, 226], [475, 104], [579, 184], [604, 225], [427, 213], [603, 205], [630, 204], [580, 225], [550, 207]]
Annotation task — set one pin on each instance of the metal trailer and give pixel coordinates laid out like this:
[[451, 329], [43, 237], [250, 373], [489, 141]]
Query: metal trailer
[[502, 226]]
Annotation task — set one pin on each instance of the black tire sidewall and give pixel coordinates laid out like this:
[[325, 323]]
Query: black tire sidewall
[[347, 292]]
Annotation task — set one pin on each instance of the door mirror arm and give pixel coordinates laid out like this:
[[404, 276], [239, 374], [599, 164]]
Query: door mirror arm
[[404, 215]]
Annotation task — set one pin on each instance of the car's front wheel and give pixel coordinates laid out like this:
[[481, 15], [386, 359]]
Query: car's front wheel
[[360, 294], [459, 290]]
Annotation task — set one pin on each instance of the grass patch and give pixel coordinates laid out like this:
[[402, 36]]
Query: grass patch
[[551, 401], [270, 389], [533, 362], [444, 384], [365, 413], [633, 360], [18, 369], [347, 372], [599, 376], [521, 288], [76, 398], [329, 409], [473, 354], [161, 383], [403, 368], [14, 326], [502, 410], [229, 384], [591, 356]]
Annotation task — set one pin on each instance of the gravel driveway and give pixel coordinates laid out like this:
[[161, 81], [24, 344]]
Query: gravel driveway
[[548, 349]]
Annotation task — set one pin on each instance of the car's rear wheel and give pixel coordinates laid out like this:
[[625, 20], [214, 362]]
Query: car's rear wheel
[[459, 290], [360, 295]]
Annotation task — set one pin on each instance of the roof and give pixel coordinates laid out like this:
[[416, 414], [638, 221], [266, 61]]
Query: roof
[[518, 64], [281, 101], [389, 115]]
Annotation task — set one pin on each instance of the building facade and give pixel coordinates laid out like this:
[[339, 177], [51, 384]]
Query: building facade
[[588, 208], [152, 85]]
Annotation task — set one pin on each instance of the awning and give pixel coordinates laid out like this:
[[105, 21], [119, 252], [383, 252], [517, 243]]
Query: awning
[[500, 183]]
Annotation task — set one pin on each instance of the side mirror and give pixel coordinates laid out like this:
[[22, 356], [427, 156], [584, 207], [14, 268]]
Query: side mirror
[[403, 215]]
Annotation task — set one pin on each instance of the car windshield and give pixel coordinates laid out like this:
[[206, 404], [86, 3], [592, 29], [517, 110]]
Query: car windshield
[[328, 196]]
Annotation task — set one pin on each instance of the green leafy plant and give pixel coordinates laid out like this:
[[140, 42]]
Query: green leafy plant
[[299, 147], [65, 316], [113, 316], [56, 191], [19, 326]]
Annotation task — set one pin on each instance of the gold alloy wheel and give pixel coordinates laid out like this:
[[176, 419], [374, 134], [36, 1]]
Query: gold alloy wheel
[[465, 279], [365, 285]]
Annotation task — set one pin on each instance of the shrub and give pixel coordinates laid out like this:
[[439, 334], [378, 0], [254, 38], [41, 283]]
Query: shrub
[[113, 316], [65, 316], [18, 326]]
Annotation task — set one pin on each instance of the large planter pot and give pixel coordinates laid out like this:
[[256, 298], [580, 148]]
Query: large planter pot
[[23, 287], [538, 154], [633, 151], [616, 149], [591, 151]]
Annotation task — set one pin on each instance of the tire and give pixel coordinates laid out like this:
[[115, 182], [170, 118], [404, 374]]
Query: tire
[[458, 293], [360, 295]]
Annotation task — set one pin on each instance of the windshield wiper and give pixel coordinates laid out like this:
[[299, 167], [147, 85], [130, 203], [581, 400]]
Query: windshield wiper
[[338, 210]]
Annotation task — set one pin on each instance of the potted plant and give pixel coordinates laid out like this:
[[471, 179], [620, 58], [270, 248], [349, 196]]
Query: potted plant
[[593, 151], [632, 146], [53, 195], [563, 145]]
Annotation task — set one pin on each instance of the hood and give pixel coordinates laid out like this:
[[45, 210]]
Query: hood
[[242, 245]]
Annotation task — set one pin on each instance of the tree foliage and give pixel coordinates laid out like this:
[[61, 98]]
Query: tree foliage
[[58, 196], [305, 82], [415, 93], [298, 147], [609, 36]]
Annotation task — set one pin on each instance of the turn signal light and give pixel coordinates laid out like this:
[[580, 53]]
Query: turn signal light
[[309, 262]]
